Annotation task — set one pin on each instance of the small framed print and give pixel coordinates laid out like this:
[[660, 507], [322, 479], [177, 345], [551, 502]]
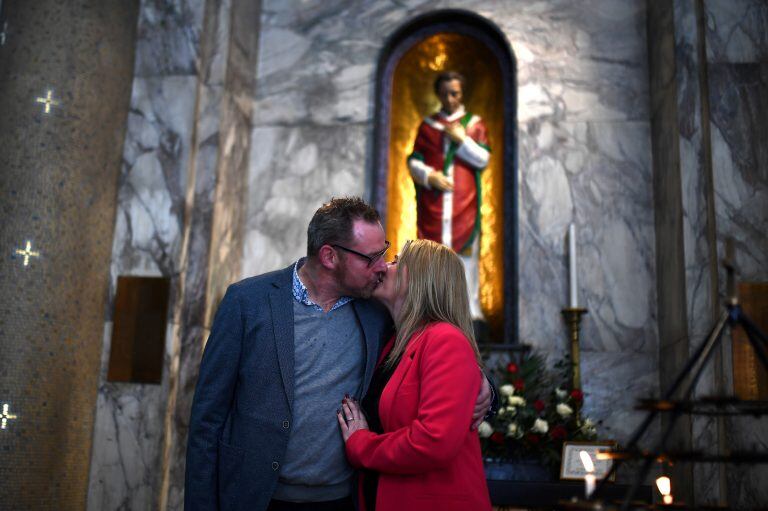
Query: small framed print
[[571, 466]]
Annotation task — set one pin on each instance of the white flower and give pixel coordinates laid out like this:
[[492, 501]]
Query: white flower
[[511, 410], [561, 394], [564, 410], [540, 426], [589, 427], [513, 430], [485, 430], [515, 401], [506, 390]]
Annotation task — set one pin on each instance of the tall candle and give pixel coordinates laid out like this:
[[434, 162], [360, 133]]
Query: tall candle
[[589, 485], [574, 301]]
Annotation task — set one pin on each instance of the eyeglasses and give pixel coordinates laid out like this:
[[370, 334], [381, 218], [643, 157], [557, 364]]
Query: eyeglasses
[[370, 258]]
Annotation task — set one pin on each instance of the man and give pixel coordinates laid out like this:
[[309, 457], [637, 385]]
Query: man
[[284, 349], [450, 151]]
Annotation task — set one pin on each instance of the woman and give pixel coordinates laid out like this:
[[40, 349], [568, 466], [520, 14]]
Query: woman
[[419, 450]]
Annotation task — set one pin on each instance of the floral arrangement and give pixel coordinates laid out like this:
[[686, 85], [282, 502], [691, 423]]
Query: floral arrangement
[[536, 415]]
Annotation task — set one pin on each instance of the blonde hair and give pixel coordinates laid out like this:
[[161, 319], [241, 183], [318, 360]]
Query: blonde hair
[[437, 291]]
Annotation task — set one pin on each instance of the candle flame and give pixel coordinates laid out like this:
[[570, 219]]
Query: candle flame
[[586, 459], [664, 485]]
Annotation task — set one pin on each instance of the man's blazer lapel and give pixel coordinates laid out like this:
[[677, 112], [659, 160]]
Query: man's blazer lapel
[[371, 333], [281, 306]]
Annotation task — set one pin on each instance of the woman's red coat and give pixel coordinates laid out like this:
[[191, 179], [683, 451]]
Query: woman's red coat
[[427, 457]]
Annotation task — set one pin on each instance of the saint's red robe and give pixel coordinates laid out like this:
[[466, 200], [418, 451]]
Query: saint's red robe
[[435, 149]]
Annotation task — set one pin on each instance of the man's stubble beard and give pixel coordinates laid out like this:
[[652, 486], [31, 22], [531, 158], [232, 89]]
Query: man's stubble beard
[[364, 294]]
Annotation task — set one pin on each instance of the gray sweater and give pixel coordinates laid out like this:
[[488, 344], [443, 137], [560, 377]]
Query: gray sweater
[[329, 361]]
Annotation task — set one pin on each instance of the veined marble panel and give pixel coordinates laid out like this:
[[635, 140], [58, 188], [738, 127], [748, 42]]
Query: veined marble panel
[[739, 124], [186, 85], [152, 184], [128, 432], [697, 246], [736, 30], [168, 38], [229, 206], [293, 171], [598, 175], [739, 105], [616, 381], [319, 65], [149, 224]]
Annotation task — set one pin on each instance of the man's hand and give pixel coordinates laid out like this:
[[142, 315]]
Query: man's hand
[[456, 131], [350, 418], [482, 405], [439, 181]]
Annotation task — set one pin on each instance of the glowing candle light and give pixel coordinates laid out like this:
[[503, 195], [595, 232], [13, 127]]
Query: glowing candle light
[[589, 478], [664, 485]]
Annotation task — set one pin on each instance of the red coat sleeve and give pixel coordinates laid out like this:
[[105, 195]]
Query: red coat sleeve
[[450, 382]]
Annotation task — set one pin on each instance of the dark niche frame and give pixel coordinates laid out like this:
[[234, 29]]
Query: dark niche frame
[[472, 25]]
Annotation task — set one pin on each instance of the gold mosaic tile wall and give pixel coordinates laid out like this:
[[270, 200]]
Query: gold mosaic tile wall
[[65, 80]]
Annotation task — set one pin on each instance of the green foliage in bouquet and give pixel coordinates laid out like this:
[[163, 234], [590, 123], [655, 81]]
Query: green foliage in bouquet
[[537, 413]]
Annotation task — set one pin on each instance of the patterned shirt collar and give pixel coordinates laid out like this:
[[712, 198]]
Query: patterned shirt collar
[[301, 294]]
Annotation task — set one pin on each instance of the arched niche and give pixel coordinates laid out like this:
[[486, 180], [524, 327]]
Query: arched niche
[[413, 56]]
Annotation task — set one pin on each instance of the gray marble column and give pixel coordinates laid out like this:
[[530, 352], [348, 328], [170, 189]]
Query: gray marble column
[[179, 216], [674, 342], [59, 167], [214, 215], [708, 84], [737, 63]]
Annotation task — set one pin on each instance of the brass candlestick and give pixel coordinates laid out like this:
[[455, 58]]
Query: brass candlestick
[[572, 317]]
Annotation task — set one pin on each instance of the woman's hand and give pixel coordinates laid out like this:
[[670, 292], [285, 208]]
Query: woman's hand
[[350, 418]]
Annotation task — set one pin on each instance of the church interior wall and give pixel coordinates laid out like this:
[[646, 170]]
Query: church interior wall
[[705, 42], [149, 226], [737, 63], [246, 115], [584, 156]]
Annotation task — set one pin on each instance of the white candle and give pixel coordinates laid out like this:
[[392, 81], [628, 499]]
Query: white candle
[[589, 485], [574, 301]]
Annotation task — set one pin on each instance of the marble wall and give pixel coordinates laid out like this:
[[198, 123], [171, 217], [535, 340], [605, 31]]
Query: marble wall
[[737, 62], [708, 138], [186, 146], [127, 453], [584, 156], [246, 116]]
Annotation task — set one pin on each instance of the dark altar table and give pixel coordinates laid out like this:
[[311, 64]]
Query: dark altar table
[[546, 494]]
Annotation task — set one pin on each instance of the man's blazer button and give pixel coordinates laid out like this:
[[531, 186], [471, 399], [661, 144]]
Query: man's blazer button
[[286, 424], [275, 465]]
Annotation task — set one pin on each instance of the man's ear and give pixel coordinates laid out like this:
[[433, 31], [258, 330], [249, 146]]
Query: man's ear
[[328, 257]]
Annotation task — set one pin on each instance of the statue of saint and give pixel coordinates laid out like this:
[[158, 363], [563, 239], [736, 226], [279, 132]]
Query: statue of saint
[[450, 152]]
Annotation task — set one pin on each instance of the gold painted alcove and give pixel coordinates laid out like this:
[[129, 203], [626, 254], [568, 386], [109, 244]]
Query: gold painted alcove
[[412, 99]]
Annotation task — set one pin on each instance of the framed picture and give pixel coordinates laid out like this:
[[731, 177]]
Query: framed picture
[[571, 466]]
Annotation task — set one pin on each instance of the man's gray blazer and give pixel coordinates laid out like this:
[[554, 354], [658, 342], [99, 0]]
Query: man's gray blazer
[[242, 409]]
